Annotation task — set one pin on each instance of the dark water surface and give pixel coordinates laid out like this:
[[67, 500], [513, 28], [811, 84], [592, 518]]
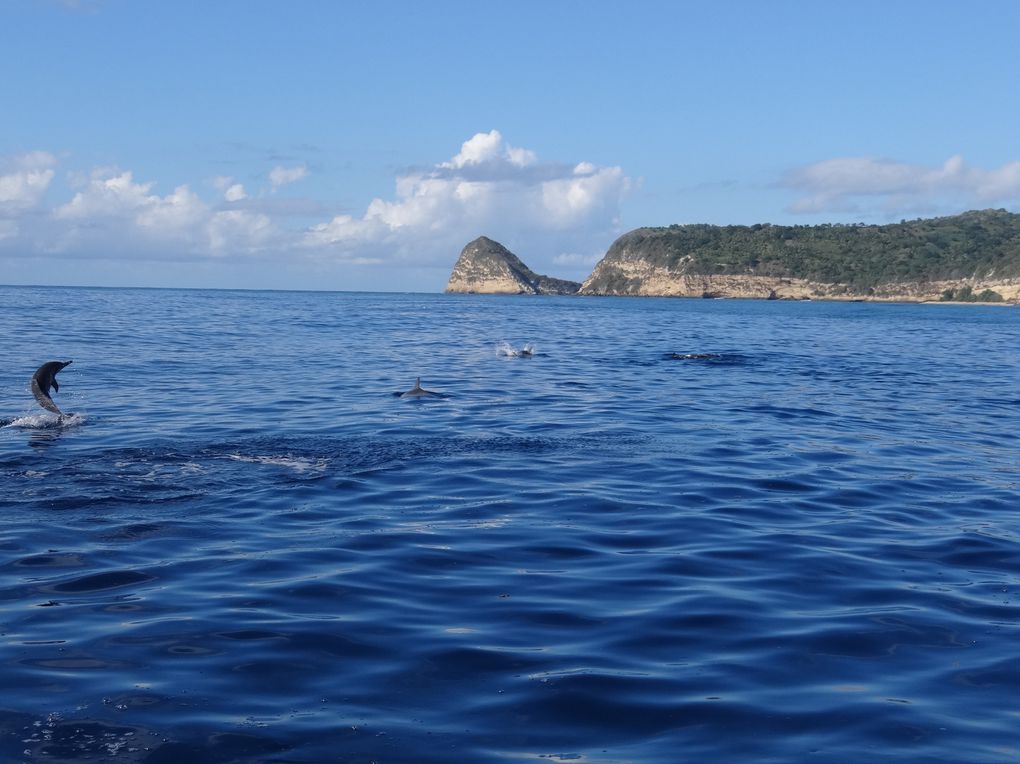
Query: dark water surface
[[242, 547]]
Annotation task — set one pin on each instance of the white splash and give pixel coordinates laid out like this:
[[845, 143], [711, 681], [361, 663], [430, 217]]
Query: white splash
[[504, 348], [165, 471], [289, 462], [47, 421]]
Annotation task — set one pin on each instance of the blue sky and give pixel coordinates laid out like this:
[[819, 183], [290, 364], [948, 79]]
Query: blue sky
[[360, 145]]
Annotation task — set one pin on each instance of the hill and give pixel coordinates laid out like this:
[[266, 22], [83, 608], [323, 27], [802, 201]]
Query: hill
[[975, 255], [487, 267]]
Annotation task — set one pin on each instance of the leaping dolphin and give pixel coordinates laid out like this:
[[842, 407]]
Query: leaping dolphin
[[44, 378], [417, 391]]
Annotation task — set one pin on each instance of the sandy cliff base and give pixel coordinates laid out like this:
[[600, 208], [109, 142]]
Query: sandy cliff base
[[645, 280]]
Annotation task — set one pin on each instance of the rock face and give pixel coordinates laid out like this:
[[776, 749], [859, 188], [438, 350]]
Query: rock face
[[642, 279], [634, 265], [487, 267], [970, 257]]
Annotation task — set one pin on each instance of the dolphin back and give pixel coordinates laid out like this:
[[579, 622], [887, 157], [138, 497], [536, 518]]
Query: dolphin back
[[417, 391]]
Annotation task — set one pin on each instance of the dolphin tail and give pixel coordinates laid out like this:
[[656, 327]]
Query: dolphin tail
[[44, 400]]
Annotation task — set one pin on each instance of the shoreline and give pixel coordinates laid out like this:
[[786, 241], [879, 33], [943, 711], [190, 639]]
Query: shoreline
[[883, 300]]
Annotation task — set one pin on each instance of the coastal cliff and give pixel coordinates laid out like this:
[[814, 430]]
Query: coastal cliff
[[487, 267], [970, 257]]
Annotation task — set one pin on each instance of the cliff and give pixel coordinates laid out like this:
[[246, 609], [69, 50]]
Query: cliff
[[487, 267], [973, 256]]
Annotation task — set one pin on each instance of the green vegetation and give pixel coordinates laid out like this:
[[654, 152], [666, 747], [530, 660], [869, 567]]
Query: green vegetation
[[966, 294], [985, 244]]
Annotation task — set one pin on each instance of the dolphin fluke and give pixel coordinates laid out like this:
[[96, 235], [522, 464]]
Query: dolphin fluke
[[44, 378]]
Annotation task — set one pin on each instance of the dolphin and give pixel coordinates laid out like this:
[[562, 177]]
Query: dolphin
[[44, 378], [696, 356], [417, 391], [505, 348]]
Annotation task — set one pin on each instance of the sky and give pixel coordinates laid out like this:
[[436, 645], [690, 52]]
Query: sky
[[360, 145]]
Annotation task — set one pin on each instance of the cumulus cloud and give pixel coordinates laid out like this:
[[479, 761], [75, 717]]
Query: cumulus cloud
[[574, 260], [281, 176], [235, 193], [24, 179], [489, 148], [537, 208], [232, 192], [854, 183], [107, 193], [488, 187], [228, 228], [114, 210]]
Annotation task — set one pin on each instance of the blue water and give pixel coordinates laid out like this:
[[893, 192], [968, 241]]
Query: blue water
[[242, 547]]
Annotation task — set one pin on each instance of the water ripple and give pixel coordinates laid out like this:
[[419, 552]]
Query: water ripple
[[684, 530]]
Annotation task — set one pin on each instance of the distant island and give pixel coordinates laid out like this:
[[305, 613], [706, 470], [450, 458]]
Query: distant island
[[487, 267], [972, 257]]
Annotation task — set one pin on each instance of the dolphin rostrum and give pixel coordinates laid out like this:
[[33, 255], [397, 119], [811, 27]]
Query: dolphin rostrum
[[417, 391], [44, 378]]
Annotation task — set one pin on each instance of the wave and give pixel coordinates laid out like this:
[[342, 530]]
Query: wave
[[607, 554]]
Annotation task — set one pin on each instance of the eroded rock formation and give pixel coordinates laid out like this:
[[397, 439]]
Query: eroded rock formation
[[487, 267]]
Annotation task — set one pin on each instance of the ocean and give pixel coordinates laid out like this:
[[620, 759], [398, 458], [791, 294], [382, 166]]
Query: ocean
[[680, 531]]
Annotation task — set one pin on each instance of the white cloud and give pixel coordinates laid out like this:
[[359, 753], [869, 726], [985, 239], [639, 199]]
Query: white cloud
[[846, 184], [343, 228], [488, 156], [235, 193], [24, 179], [281, 176], [488, 148], [589, 189], [481, 147], [520, 157], [108, 193], [173, 214], [537, 208], [115, 212], [489, 187], [231, 230], [575, 260], [232, 192]]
